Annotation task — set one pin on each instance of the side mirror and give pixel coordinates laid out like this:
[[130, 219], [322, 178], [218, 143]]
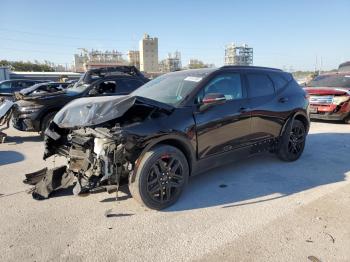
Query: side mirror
[[212, 99]]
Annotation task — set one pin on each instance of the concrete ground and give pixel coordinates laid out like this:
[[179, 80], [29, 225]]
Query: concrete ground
[[260, 209]]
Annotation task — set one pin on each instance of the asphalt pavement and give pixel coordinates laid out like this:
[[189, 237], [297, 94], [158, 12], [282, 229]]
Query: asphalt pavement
[[260, 209]]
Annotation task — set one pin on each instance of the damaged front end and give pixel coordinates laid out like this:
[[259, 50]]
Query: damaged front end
[[93, 136]]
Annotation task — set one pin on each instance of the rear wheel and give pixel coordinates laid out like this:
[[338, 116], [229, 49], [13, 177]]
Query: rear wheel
[[292, 141], [45, 123], [160, 178], [347, 120]]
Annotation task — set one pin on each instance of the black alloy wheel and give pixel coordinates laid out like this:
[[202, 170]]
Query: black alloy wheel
[[160, 177], [292, 141], [296, 140], [165, 179]]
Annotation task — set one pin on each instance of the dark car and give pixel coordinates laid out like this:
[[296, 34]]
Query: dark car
[[34, 110], [42, 88], [330, 97], [175, 126], [9, 87]]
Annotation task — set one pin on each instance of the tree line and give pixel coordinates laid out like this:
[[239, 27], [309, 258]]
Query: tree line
[[27, 66]]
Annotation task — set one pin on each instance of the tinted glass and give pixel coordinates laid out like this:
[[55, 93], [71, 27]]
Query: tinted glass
[[279, 81], [107, 87], [128, 85], [227, 84], [260, 85], [5, 85]]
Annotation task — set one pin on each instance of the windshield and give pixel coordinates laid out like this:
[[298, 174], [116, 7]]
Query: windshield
[[77, 88], [172, 88], [331, 81]]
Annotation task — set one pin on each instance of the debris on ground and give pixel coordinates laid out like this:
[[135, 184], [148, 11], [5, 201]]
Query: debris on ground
[[46, 181], [313, 259], [109, 213], [332, 238]]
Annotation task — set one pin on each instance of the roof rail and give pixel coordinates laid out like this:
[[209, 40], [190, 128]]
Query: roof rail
[[251, 67], [131, 70]]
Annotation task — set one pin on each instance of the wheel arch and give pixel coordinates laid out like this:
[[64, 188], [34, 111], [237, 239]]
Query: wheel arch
[[172, 140], [298, 115]]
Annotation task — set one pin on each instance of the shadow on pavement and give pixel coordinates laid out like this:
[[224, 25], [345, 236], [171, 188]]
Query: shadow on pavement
[[22, 139], [324, 161], [9, 157]]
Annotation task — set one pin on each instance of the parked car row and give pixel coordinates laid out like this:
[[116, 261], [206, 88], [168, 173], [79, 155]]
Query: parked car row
[[37, 106], [115, 126]]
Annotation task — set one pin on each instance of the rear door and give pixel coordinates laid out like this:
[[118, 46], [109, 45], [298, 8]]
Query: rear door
[[223, 127], [266, 118]]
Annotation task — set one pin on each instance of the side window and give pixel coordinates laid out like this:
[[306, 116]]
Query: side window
[[107, 87], [5, 85], [279, 81], [260, 85], [227, 84], [128, 85], [25, 84]]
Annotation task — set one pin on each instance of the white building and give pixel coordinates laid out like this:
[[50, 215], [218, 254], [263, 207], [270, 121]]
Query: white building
[[238, 55], [149, 54]]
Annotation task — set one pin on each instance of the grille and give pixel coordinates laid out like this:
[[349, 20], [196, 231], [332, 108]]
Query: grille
[[321, 100]]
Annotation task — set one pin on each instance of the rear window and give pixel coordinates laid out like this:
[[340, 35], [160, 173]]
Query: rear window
[[279, 81], [331, 81], [260, 85]]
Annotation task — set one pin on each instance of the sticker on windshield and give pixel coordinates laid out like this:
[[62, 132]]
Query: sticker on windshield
[[193, 78], [347, 76]]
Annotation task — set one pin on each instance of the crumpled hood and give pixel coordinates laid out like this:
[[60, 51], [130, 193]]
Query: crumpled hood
[[90, 111], [40, 96]]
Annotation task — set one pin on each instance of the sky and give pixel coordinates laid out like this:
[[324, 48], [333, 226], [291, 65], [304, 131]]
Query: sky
[[292, 35]]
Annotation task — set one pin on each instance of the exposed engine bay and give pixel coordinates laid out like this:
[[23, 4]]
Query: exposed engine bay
[[101, 153]]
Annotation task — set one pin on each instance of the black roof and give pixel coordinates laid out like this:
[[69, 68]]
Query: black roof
[[251, 67]]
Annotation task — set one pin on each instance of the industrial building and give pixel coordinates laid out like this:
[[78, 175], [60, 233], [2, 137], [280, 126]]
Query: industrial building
[[171, 63], [96, 59], [149, 54], [134, 58], [238, 55]]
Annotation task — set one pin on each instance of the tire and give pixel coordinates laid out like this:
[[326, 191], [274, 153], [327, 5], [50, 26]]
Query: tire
[[45, 123], [292, 141], [155, 185], [347, 120]]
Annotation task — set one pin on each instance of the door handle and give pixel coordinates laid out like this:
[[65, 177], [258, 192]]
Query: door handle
[[283, 100]]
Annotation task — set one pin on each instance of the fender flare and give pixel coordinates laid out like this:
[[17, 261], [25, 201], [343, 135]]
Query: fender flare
[[181, 140], [292, 117]]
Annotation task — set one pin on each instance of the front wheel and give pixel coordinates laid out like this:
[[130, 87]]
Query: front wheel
[[347, 120], [160, 177], [292, 141]]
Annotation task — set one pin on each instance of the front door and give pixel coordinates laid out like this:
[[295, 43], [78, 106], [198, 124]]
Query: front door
[[223, 127]]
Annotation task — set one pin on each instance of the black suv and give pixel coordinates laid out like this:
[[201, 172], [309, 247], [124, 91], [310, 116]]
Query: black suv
[[176, 125], [34, 110]]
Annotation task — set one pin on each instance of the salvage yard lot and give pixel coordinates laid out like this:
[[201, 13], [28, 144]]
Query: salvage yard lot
[[260, 208]]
